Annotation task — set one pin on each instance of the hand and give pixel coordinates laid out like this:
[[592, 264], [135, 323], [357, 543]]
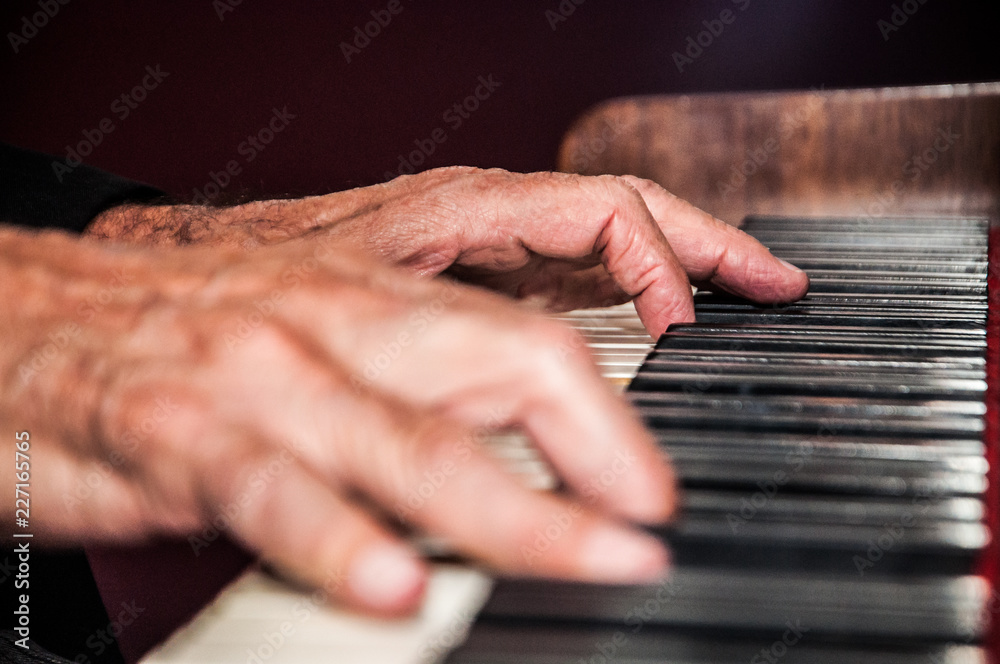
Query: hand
[[562, 241], [297, 396]]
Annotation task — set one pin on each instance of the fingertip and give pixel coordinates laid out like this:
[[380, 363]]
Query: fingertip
[[657, 319], [796, 280], [388, 579], [615, 554]]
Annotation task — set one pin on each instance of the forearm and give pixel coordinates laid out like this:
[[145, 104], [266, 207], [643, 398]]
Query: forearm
[[246, 226]]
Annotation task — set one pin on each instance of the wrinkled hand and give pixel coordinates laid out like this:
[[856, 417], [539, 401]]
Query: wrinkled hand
[[562, 241], [297, 395]]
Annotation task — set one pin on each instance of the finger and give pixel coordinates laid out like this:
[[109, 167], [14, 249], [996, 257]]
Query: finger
[[456, 490], [569, 217], [482, 355], [433, 474], [553, 285], [715, 252], [303, 526], [528, 371]]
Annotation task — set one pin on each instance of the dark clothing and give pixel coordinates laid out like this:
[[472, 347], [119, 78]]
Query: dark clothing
[[34, 192]]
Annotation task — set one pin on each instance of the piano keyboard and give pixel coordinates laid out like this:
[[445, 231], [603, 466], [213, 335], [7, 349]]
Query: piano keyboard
[[834, 470]]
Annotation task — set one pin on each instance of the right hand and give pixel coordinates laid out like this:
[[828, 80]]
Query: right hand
[[306, 393]]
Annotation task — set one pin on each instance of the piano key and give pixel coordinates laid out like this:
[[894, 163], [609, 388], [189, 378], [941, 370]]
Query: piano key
[[926, 607], [712, 383], [898, 224], [730, 541], [793, 417], [860, 262], [865, 510], [966, 303], [830, 345], [962, 450], [857, 477], [834, 284], [855, 317], [503, 642], [938, 240], [943, 335], [921, 373], [968, 367]]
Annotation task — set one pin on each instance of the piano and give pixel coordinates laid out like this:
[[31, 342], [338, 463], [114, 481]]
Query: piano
[[839, 456]]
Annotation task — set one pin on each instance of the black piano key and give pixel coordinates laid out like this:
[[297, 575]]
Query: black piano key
[[635, 642], [969, 304], [941, 336], [865, 263], [789, 416], [713, 381], [896, 224], [699, 371], [855, 477], [856, 318], [835, 284], [919, 607], [829, 345], [937, 241], [969, 367], [833, 444]]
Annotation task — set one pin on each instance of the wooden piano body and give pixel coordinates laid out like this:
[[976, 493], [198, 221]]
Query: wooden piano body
[[872, 154]]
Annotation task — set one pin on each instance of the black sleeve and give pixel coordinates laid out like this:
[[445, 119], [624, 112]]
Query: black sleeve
[[42, 191]]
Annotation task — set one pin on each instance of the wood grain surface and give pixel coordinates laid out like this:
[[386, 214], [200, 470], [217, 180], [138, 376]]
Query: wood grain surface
[[884, 152]]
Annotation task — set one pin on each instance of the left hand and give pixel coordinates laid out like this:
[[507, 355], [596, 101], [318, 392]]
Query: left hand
[[561, 241]]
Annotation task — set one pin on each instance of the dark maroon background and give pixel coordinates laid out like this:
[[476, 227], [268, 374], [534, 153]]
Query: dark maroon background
[[354, 119]]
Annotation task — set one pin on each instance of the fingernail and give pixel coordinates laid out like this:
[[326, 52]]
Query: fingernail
[[387, 577], [616, 555], [789, 265]]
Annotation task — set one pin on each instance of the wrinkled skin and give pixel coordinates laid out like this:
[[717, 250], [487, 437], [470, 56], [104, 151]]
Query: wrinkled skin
[[295, 374]]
